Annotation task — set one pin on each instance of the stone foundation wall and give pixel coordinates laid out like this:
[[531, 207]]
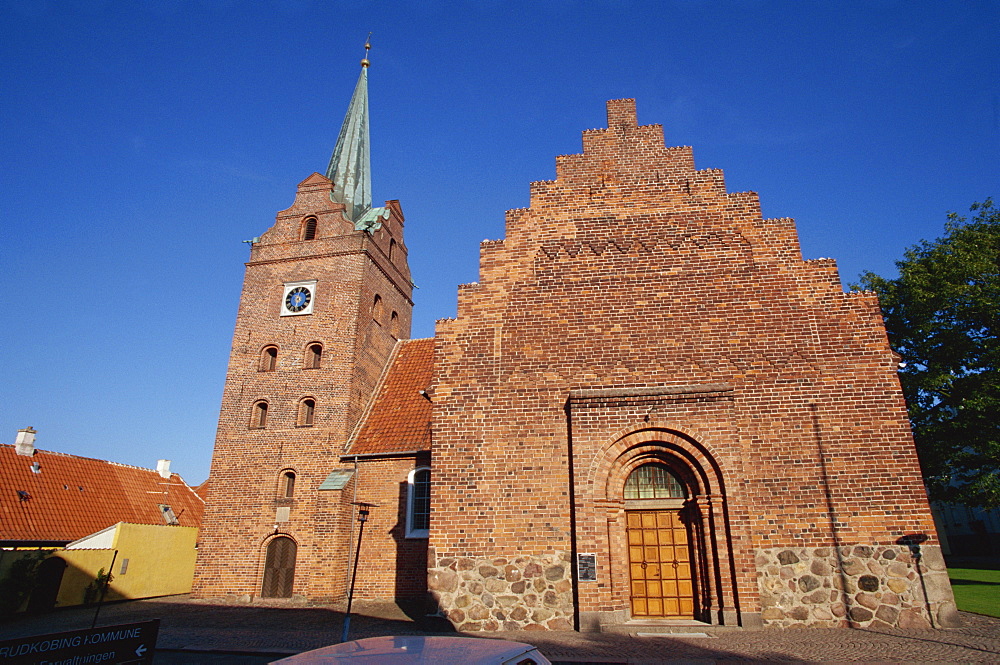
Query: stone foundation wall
[[524, 593], [860, 585]]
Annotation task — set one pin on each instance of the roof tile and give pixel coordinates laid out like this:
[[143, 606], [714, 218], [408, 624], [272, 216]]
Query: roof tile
[[399, 418]]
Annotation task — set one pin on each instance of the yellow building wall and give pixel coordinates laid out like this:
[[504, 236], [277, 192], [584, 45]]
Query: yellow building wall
[[81, 570], [160, 563]]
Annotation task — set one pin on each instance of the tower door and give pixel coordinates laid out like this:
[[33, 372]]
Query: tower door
[[279, 568], [659, 556]]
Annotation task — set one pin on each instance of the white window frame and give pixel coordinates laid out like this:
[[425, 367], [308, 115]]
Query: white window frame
[[410, 531]]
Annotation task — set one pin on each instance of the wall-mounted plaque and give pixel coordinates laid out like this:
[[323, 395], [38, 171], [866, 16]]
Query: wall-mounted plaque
[[586, 567]]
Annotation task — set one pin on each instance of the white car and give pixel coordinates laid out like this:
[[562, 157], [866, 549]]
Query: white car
[[414, 649]]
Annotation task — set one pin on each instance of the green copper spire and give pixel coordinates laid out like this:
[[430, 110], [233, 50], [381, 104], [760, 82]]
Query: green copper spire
[[350, 165]]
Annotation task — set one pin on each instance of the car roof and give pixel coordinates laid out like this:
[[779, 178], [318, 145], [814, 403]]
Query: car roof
[[405, 649]]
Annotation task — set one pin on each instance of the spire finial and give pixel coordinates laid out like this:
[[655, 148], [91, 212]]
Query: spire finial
[[368, 46]]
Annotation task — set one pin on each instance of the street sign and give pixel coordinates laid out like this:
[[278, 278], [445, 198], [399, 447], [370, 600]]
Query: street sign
[[132, 643]]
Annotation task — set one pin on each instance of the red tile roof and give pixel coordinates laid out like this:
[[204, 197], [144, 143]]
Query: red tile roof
[[399, 417], [73, 497]]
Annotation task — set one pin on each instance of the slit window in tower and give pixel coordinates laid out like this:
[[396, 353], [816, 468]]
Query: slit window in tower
[[258, 418], [314, 356], [269, 359], [307, 411]]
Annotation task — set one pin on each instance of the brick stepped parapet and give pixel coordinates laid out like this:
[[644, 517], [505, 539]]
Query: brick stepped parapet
[[633, 271]]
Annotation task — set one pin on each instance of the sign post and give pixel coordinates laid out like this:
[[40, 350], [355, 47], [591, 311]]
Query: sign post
[[132, 643]]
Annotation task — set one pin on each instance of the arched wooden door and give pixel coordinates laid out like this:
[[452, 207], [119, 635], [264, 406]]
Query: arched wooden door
[[661, 574], [279, 568]]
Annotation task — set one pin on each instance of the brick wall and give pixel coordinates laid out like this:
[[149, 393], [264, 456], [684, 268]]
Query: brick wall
[[242, 515], [746, 369], [390, 564]]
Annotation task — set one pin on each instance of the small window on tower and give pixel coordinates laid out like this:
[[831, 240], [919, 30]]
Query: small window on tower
[[258, 417], [392, 249], [314, 356], [394, 325], [307, 412], [309, 229], [378, 309], [288, 484], [269, 359]]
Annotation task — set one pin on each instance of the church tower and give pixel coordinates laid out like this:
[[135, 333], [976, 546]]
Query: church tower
[[326, 296]]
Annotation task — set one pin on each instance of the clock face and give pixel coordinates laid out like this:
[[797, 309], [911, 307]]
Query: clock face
[[298, 299]]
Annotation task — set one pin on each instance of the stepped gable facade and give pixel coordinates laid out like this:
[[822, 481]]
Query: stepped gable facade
[[648, 408], [637, 320]]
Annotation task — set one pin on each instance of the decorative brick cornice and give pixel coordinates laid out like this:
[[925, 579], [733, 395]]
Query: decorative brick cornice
[[701, 392]]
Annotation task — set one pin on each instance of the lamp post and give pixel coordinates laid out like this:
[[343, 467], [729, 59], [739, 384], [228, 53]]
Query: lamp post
[[913, 541], [363, 510]]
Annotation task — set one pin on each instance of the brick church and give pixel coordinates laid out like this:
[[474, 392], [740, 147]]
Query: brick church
[[649, 408]]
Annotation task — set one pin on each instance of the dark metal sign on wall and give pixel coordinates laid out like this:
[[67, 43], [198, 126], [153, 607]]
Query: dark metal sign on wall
[[586, 566], [108, 645]]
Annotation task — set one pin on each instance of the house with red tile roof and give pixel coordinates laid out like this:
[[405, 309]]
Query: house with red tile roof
[[49, 499], [66, 521]]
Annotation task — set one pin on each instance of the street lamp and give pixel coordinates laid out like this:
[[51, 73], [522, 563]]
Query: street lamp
[[363, 510]]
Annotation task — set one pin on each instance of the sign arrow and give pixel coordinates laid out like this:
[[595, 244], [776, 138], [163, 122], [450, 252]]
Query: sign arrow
[[141, 650]]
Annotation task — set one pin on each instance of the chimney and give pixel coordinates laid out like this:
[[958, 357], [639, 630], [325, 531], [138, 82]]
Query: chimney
[[25, 442], [163, 468]]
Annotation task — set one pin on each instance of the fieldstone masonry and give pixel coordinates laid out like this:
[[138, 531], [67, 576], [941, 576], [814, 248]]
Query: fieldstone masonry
[[861, 586], [523, 593]]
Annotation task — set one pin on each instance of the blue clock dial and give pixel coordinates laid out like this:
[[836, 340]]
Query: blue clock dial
[[297, 299]]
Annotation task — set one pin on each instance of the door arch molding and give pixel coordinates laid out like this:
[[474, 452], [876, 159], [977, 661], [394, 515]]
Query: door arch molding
[[690, 456], [693, 449]]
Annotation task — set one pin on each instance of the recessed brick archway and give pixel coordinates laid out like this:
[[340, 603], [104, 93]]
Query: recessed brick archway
[[602, 521]]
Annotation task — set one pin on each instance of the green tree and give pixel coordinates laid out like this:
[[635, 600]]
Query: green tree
[[941, 315]]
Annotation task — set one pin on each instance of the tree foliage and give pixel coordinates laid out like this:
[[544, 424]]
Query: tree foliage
[[941, 316], [20, 580]]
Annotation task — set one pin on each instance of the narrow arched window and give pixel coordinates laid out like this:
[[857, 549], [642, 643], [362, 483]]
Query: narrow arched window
[[268, 359], [288, 484], [314, 356], [392, 249], [653, 481], [418, 503], [378, 309], [394, 325], [258, 415], [309, 229], [307, 412]]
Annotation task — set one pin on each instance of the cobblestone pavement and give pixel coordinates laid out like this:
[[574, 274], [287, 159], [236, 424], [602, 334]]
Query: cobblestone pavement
[[198, 631]]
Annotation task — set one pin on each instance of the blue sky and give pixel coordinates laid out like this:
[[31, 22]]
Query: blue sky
[[142, 142]]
